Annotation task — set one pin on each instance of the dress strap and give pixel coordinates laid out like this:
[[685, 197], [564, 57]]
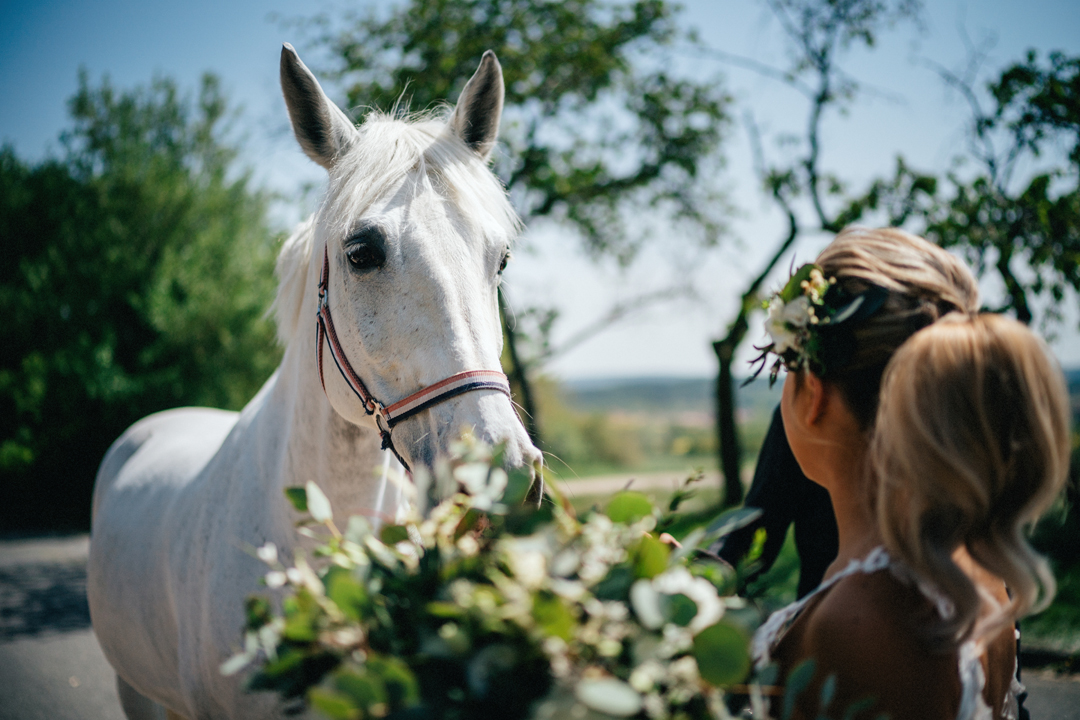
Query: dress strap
[[972, 683], [769, 635], [972, 677]]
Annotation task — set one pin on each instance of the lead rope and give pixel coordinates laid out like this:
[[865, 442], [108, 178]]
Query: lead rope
[[381, 493], [387, 417]]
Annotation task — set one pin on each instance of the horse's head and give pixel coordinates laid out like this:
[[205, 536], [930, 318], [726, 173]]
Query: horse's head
[[409, 245]]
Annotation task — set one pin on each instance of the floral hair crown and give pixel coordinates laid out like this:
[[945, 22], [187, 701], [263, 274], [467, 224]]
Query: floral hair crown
[[803, 314]]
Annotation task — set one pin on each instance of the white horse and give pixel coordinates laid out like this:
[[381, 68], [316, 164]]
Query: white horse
[[401, 265]]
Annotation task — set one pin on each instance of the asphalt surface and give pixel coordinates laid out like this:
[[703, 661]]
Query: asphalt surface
[[51, 667]]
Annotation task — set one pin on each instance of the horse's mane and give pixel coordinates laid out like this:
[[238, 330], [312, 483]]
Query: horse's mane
[[418, 148]]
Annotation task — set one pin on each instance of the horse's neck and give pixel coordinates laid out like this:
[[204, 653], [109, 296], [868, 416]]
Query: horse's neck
[[343, 459]]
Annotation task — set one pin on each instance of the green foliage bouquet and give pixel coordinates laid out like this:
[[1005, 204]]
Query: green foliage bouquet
[[488, 608]]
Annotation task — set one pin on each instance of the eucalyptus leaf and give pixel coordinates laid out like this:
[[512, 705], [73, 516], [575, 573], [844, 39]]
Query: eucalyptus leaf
[[689, 544], [628, 507], [519, 480], [298, 497], [828, 691], [797, 681], [317, 502], [334, 705], [731, 520], [793, 288], [346, 591], [365, 688], [553, 617], [650, 557], [236, 663], [721, 653], [680, 609], [393, 534], [857, 707]]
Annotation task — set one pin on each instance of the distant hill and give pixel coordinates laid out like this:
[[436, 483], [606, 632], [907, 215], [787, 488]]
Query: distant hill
[[662, 395]]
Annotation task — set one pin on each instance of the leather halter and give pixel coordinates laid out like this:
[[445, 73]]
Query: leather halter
[[387, 417]]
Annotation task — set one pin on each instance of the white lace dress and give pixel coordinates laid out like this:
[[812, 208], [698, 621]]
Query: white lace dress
[[972, 705]]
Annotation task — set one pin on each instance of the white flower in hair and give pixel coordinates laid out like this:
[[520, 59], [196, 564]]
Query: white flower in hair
[[807, 304]]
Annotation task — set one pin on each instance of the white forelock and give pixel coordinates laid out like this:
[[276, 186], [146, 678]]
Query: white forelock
[[385, 151]]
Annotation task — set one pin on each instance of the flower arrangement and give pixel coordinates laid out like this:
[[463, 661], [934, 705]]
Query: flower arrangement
[[803, 313], [489, 608]]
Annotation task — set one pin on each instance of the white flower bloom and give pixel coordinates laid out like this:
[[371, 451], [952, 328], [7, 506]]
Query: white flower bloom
[[497, 482], [609, 695], [646, 603], [472, 476], [409, 553], [676, 640], [468, 545], [608, 647], [645, 676], [275, 579], [797, 312], [817, 286], [462, 592], [685, 669], [655, 707], [783, 338], [303, 576], [571, 590], [709, 606], [566, 562], [267, 553]]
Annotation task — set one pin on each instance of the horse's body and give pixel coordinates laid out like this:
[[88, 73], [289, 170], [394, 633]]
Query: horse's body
[[415, 230]]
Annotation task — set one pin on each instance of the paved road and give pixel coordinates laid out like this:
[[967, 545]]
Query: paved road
[[51, 667]]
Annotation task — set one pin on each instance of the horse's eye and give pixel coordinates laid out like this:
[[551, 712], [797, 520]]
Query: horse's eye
[[505, 260], [365, 256]]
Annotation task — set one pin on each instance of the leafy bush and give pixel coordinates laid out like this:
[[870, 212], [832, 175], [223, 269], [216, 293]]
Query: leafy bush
[[139, 270], [489, 608]]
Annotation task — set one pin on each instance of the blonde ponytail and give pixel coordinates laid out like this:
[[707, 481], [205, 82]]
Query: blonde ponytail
[[970, 446]]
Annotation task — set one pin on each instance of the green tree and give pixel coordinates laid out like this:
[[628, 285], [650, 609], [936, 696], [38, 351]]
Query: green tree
[[141, 268], [600, 136], [1026, 229], [818, 33]]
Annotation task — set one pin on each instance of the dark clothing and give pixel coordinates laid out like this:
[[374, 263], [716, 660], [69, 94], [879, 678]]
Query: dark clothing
[[786, 496]]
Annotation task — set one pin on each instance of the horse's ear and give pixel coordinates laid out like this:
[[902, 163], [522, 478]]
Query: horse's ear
[[476, 117], [321, 128]]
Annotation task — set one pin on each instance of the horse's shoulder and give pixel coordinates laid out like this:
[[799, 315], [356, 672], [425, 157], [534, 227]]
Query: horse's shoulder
[[171, 445]]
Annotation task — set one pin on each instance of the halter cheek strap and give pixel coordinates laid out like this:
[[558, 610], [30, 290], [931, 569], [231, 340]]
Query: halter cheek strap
[[387, 417]]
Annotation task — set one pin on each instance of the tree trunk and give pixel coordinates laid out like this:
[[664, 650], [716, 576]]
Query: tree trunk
[[519, 376], [727, 429]]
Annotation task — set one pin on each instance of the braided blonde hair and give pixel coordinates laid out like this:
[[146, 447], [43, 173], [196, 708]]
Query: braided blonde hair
[[970, 446]]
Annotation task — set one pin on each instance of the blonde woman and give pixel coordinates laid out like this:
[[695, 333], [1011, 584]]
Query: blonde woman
[[939, 434]]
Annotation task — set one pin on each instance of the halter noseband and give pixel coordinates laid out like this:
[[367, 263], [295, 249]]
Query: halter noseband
[[387, 417]]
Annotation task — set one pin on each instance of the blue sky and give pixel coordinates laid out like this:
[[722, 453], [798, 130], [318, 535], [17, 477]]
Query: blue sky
[[43, 44]]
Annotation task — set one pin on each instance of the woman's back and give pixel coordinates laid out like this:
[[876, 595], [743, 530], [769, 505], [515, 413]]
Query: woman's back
[[867, 629]]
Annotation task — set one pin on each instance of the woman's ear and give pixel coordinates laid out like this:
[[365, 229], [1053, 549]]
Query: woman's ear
[[816, 402]]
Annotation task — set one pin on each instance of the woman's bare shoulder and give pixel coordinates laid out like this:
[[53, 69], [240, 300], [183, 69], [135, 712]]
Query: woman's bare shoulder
[[866, 632]]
